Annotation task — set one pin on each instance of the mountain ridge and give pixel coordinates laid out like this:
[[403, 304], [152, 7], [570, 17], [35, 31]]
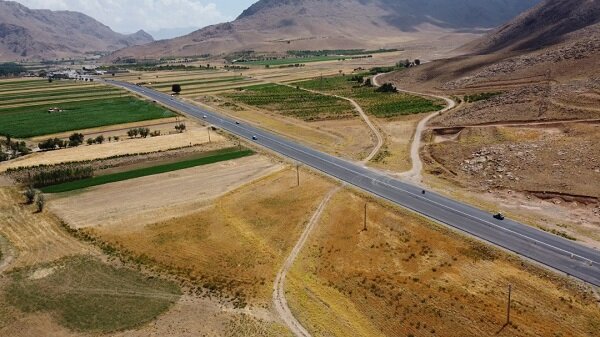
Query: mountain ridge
[[280, 25], [34, 34]]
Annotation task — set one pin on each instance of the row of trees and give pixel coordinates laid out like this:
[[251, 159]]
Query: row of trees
[[142, 132], [61, 175]]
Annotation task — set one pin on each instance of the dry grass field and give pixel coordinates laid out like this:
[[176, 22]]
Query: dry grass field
[[234, 246], [134, 203], [407, 277]]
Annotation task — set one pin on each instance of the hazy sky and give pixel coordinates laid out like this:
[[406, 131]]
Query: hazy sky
[[162, 18]]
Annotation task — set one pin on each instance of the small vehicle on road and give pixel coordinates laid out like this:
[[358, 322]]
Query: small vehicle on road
[[254, 138], [205, 117], [499, 216], [237, 123]]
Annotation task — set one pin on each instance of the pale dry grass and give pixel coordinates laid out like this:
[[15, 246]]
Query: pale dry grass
[[235, 246], [33, 237], [399, 135], [134, 203], [405, 276]]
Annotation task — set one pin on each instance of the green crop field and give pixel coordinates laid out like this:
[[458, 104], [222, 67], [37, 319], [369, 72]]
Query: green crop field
[[57, 93], [292, 60], [31, 121], [223, 155], [87, 295], [379, 104], [293, 102], [196, 82]]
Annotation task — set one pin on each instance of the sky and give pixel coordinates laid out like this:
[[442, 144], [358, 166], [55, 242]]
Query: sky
[[161, 18]]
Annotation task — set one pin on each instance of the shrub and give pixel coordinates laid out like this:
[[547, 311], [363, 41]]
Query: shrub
[[76, 139], [40, 202], [52, 144], [144, 132], [155, 133], [91, 141], [99, 139], [30, 194], [387, 88], [180, 127]]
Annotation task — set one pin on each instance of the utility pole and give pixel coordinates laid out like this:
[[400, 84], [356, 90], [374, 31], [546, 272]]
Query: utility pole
[[208, 129], [508, 307], [298, 175], [365, 218]]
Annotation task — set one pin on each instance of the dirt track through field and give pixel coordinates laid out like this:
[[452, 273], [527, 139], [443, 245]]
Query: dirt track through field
[[414, 175], [281, 305], [363, 115]]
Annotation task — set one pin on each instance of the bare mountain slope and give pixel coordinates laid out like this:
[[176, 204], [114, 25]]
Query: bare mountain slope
[[544, 25], [45, 34], [279, 25]]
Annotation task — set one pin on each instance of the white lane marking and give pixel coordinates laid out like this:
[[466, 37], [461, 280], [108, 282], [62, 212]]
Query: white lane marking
[[223, 121]]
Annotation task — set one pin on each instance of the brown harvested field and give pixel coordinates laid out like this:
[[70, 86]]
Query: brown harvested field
[[349, 138], [194, 136], [407, 277], [32, 237], [235, 246], [131, 204], [540, 173]]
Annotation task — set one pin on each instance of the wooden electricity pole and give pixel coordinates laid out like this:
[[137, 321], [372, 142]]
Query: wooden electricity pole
[[208, 129], [298, 175], [508, 307], [365, 218]]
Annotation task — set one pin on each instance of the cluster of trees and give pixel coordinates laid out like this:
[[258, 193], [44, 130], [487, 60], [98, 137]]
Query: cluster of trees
[[76, 139], [61, 175], [34, 196], [407, 63], [52, 144], [11, 69], [388, 87], [98, 140], [10, 149], [180, 127], [142, 132]]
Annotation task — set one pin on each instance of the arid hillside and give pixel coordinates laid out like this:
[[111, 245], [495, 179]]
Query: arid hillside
[[27, 34], [335, 24]]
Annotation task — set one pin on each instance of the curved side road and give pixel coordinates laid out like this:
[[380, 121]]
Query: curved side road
[[279, 300], [362, 114], [414, 174], [548, 249]]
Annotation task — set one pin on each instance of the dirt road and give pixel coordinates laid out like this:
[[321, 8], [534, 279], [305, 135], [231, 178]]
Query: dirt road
[[279, 288], [414, 174], [362, 114]]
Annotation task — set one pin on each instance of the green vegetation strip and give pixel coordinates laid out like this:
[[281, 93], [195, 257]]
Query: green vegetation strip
[[379, 104], [294, 102], [88, 295], [293, 60], [111, 178], [31, 121]]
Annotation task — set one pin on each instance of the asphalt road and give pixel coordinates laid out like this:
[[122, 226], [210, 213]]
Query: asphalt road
[[551, 250]]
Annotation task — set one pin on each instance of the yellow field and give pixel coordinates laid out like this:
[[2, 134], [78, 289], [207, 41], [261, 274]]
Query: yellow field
[[406, 277], [235, 246]]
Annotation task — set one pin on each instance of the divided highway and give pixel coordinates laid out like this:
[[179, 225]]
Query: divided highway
[[553, 251]]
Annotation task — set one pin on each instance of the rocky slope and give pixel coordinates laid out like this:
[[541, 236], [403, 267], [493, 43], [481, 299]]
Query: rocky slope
[[27, 34], [280, 25]]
